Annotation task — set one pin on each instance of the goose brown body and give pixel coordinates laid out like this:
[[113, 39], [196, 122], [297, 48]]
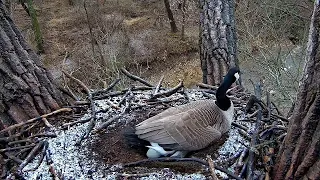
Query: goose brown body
[[189, 127]]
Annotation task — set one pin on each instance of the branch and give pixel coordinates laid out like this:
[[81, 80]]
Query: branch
[[168, 92], [254, 138], [111, 86], [211, 168], [135, 78], [207, 86], [35, 119], [77, 81], [167, 159], [30, 156], [158, 85]]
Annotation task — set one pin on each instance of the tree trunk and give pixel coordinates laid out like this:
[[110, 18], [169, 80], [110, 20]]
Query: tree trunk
[[299, 155], [26, 88], [217, 39], [170, 16]]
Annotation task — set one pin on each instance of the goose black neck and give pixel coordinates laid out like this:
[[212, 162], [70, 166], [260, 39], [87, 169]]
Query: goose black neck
[[223, 102]]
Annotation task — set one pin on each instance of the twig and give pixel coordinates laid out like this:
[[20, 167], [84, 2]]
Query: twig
[[20, 141], [35, 119], [107, 123], [207, 86], [92, 121], [16, 148], [46, 134], [111, 86], [50, 164], [281, 136], [211, 168], [168, 92], [240, 162], [254, 139], [197, 160], [76, 122], [158, 85], [30, 156], [280, 117], [46, 123], [269, 106], [42, 155], [245, 134], [232, 89], [81, 103], [85, 88], [14, 158], [231, 160], [278, 111], [117, 93], [123, 99], [253, 114], [239, 126], [135, 175], [135, 78], [68, 91]]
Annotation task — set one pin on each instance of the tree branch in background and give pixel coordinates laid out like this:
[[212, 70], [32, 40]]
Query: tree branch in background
[[173, 25], [135, 78]]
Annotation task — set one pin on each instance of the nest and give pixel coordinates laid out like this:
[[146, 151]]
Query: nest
[[85, 140]]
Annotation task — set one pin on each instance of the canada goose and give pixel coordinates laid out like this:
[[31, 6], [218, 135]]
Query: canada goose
[[189, 127]]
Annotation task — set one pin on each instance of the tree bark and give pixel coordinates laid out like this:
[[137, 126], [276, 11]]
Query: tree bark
[[170, 16], [26, 88], [299, 155], [217, 39]]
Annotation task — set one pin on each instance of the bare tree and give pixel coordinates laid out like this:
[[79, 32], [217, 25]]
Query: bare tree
[[299, 155], [170, 16], [217, 39], [26, 88]]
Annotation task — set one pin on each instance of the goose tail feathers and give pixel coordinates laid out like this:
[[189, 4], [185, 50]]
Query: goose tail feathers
[[132, 139]]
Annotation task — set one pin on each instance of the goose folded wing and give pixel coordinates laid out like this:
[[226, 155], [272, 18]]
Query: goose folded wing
[[201, 104], [182, 131]]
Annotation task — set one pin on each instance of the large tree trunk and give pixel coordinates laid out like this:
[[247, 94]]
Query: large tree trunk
[[26, 88], [299, 155], [217, 39]]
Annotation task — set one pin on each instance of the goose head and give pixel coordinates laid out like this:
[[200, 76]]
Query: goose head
[[223, 102]]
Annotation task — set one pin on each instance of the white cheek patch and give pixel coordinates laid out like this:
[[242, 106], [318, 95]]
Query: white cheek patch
[[237, 75]]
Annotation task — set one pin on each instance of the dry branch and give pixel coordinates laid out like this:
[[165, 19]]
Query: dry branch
[[111, 86], [16, 148], [136, 78], [158, 85], [207, 86], [76, 122], [35, 119], [14, 158], [167, 159], [85, 88], [211, 168], [42, 155], [239, 126], [254, 138], [168, 92], [30, 156]]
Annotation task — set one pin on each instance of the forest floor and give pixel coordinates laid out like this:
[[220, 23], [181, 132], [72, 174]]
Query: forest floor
[[155, 51]]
